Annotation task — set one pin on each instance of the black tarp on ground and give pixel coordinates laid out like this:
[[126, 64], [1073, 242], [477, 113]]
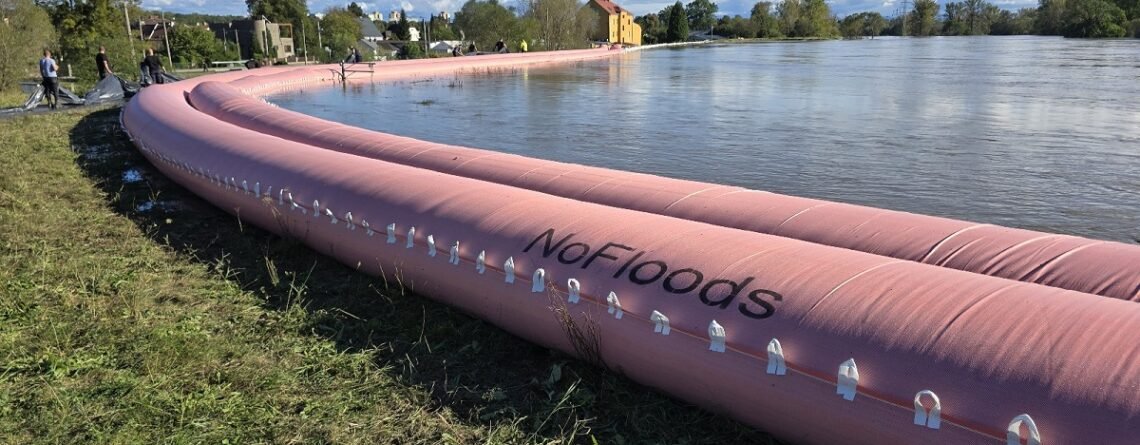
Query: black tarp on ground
[[110, 89], [66, 97], [168, 78]]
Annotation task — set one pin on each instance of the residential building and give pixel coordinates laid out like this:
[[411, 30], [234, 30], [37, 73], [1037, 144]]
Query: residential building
[[369, 30], [260, 36], [614, 23], [395, 15], [379, 50]]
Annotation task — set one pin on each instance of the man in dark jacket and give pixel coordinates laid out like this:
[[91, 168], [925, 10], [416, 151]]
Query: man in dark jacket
[[154, 65], [102, 64]]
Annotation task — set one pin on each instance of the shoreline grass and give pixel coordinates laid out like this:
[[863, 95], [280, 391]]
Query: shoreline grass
[[134, 312]]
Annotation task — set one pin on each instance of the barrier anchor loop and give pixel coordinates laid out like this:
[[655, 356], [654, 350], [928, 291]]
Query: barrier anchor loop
[[614, 305], [931, 419], [716, 337], [1013, 433], [776, 364], [392, 233], [509, 268], [538, 281], [848, 380], [481, 262], [575, 290], [454, 258], [431, 245], [660, 323], [411, 238]]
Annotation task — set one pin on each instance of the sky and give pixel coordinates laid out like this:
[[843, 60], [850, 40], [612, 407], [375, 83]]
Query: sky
[[421, 8]]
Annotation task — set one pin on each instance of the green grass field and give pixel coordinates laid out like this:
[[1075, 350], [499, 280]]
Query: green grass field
[[179, 324]]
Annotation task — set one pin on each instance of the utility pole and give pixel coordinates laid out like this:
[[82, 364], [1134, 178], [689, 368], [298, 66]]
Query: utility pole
[[304, 41], [130, 39], [319, 42], [166, 38]]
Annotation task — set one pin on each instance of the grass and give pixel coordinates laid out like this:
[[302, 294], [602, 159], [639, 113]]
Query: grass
[[179, 325]]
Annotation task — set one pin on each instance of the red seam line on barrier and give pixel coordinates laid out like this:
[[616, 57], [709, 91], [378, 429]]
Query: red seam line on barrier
[[590, 298], [815, 375]]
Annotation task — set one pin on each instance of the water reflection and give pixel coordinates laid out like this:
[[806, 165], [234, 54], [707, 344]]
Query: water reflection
[[1042, 133]]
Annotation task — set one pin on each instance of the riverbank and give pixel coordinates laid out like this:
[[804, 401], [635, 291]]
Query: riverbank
[[133, 312]]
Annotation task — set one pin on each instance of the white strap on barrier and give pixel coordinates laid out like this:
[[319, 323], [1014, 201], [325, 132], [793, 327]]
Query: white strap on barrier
[[233, 182], [776, 364], [295, 205], [933, 419], [660, 323], [331, 215], [481, 262], [281, 197], [454, 258], [257, 190], [391, 233], [316, 208], [411, 238], [431, 245], [367, 227], [716, 337], [848, 382], [244, 187], [538, 281], [509, 268], [348, 221], [575, 289], [615, 305], [1013, 433], [269, 193]]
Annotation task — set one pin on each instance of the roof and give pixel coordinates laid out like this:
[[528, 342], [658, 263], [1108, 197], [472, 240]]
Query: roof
[[368, 28], [608, 6]]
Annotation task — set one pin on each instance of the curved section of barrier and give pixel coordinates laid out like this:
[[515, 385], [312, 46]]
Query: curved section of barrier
[[814, 343], [1067, 262]]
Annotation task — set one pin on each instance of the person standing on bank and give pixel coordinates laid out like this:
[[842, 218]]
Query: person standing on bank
[[49, 70], [102, 64], [154, 65]]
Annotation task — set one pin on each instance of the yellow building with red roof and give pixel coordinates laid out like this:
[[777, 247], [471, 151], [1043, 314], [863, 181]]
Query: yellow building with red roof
[[614, 24]]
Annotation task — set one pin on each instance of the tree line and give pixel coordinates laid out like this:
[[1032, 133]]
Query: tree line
[[814, 19], [74, 30]]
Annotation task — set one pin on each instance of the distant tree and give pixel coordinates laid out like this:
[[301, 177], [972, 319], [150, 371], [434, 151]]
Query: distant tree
[[24, 35], [441, 29], [735, 26], [84, 26], [1050, 17], [404, 31], [863, 24], [923, 18], [652, 28], [355, 9], [192, 45], [560, 24], [279, 11], [487, 21], [816, 20], [678, 26], [341, 31], [765, 24], [1093, 18], [788, 14], [701, 14]]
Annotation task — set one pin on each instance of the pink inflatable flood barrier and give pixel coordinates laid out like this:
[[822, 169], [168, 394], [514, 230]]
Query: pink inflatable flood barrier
[[812, 342]]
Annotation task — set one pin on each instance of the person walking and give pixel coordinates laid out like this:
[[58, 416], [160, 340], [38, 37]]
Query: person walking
[[49, 71], [522, 45], [153, 65], [102, 64]]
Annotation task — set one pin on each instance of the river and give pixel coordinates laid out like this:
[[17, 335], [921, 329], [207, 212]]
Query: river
[[1031, 132]]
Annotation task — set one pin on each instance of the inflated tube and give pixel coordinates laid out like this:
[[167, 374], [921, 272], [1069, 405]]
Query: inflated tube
[[1068, 262], [814, 343]]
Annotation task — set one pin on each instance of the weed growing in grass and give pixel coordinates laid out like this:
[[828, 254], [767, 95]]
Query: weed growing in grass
[[180, 325]]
